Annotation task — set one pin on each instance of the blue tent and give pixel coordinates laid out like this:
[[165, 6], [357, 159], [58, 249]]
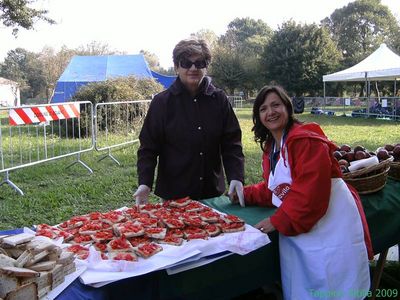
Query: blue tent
[[85, 69], [165, 80]]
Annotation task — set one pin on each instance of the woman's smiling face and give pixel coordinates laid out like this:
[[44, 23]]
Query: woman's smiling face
[[273, 114]]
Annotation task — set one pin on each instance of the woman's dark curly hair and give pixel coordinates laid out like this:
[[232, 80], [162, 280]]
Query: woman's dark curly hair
[[262, 135]]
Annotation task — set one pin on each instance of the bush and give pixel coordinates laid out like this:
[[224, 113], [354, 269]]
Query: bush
[[114, 90], [118, 89]]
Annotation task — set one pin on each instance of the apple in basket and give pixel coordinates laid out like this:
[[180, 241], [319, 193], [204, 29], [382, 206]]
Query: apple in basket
[[382, 154], [345, 147], [360, 155], [396, 152], [343, 162], [358, 149], [389, 147], [349, 156], [337, 155]]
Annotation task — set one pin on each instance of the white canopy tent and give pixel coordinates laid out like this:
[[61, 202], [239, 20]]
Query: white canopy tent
[[382, 65]]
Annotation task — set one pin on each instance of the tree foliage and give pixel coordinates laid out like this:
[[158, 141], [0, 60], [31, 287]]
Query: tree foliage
[[237, 55], [209, 36], [17, 13], [298, 55], [25, 68], [360, 27]]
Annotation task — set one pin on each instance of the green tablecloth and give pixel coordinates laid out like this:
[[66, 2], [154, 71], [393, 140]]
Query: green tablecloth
[[383, 215], [382, 210], [235, 275]]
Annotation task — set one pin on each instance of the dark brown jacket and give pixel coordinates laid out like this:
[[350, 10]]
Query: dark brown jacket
[[191, 137]]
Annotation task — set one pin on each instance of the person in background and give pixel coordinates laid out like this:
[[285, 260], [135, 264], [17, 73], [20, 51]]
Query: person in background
[[324, 240], [191, 134]]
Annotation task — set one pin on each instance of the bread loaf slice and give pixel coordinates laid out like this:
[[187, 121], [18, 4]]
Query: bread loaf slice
[[6, 261], [7, 284], [43, 266], [17, 239], [24, 292], [23, 259], [18, 272]]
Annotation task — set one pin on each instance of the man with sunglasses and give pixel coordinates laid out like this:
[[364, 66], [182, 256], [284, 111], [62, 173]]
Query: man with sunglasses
[[192, 133]]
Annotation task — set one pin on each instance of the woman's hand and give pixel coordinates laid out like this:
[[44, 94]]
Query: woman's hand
[[265, 226]]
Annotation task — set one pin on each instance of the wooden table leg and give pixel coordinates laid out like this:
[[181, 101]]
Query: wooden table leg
[[378, 272]]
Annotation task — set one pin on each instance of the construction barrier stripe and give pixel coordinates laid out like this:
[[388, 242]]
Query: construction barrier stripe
[[38, 114]]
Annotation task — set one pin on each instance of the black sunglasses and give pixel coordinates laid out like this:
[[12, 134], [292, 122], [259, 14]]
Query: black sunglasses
[[187, 64]]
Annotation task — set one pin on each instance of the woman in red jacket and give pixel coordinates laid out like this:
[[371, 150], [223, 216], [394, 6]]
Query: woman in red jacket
[[323, 234]]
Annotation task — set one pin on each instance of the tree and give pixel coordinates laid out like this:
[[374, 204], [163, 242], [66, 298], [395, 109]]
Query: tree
[[152, 60], [17, 13], [298, 55], [360, 27], [209, 36], [54, 64], [227, 70], [94, 48], [237, 56], [25, 68]]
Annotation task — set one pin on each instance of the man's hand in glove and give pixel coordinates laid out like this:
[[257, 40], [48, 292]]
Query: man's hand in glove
[[142, 194]]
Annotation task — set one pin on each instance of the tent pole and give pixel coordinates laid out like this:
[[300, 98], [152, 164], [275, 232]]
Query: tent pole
[[367, 88]]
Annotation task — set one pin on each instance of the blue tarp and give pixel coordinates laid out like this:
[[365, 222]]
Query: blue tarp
[[85, 69], [165, 80]]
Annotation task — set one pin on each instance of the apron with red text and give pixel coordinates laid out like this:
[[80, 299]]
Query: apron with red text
[[330, 261]]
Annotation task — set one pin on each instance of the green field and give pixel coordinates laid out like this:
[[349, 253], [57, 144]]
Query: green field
[[54, 193]]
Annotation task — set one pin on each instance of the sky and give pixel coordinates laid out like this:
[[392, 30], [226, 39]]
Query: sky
[[157, 25]]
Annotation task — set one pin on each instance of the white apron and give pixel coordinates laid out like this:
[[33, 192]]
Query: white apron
[[330, 261]]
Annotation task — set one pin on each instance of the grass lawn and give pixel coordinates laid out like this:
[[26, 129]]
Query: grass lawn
[[54, 193]]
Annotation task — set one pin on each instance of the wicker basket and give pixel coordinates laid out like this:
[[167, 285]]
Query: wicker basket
[[394, 171], [370, 179]]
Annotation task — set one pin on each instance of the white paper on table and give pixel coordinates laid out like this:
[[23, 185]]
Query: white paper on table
[[107, 271], [241, 243], [191, 264], [192, 254]]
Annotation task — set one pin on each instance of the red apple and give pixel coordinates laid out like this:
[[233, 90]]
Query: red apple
[[337, 155], [359, 155], [396, 150], [349, 156], [345, 147], [389, 147], [344, 169], [343, 162], [382, 154], [358, 148], [396, 153]]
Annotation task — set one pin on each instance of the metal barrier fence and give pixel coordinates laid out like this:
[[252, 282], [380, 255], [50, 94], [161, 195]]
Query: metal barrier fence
[[35, 134], [117, 124], [236, 101], [383, 107]]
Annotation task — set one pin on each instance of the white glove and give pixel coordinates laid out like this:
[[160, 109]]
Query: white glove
[[142, 194], [236, 189]]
